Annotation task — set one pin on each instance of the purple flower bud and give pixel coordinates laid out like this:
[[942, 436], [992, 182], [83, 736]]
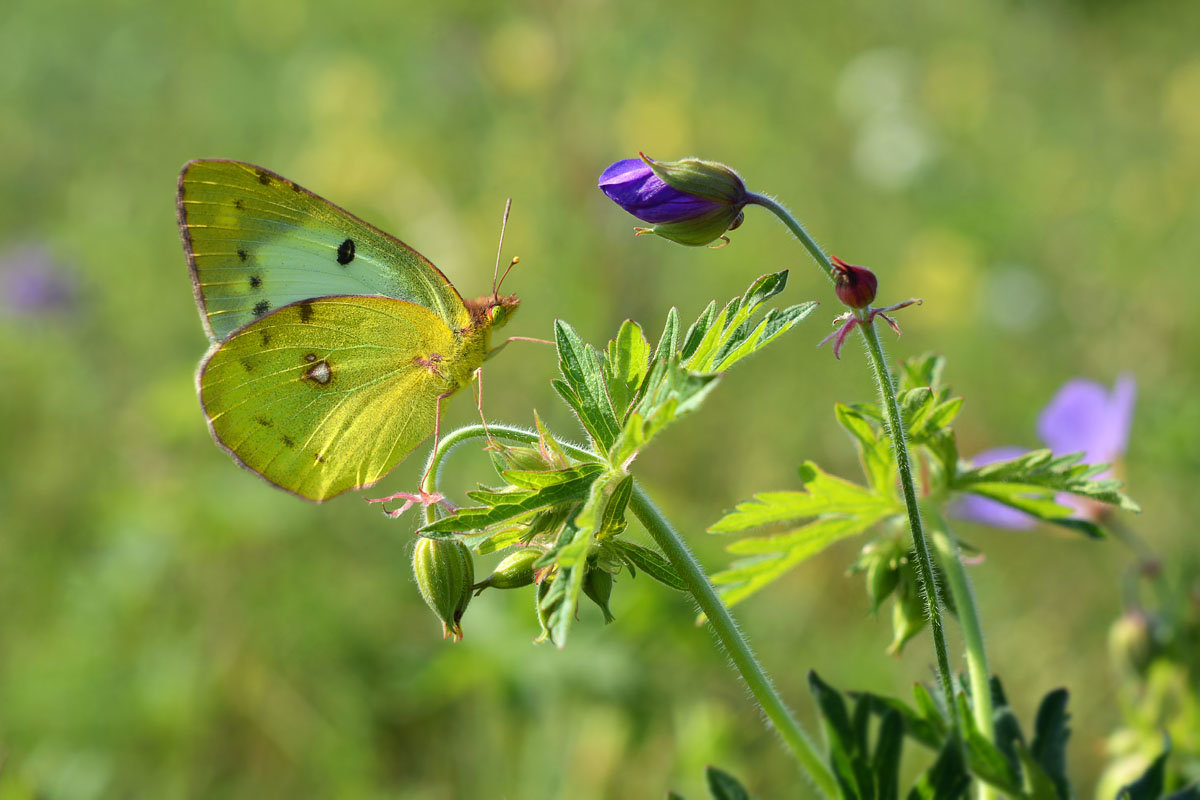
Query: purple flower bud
[[31, 282], [690, 201], [855, 286]]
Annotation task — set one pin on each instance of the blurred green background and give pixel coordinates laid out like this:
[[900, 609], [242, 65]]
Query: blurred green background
[[173, 627]]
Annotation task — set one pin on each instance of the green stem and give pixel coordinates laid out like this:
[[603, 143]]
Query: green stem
[[924, 564], [689, 569], [727, 633], [795, 227], [896, 428], [968, 619]]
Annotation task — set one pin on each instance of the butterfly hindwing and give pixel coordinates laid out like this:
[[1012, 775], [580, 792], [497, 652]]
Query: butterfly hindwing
[[256, 241], [326, 395]]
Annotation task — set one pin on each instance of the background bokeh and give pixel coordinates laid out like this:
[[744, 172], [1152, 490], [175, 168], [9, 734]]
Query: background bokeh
[[172, 627]]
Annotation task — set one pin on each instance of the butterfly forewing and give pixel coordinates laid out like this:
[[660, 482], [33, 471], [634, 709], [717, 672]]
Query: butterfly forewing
[[256, 242], [327, 395]]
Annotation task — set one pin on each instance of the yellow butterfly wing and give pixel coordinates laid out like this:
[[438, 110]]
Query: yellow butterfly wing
[[326, 395], [256, 241]]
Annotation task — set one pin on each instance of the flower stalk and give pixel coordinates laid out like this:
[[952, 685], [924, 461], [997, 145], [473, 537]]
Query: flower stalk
[[864, 320]]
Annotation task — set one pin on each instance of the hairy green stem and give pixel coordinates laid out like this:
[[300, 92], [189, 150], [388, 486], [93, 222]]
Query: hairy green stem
[[727, 633], [895, 427], [795, 227], [968, 619], [676, 551]]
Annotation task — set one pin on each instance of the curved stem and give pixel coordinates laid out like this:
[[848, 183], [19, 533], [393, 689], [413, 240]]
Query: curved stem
[[723, 626], [795, 227], [895, 427]]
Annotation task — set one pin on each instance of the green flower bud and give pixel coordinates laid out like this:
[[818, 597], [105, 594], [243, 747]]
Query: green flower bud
[[597, 585], [1131, 643], [908, 612], [515, 571], [444, 572]]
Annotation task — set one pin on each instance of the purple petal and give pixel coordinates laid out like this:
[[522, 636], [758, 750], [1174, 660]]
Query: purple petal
[[989, 512], [1084, 417], [633, 186]]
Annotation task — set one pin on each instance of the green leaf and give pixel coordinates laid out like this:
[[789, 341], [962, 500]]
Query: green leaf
[[778, 554], [947, 779], [510, 506], [584, 387], [1037, 784], [923, 370], [626, 366], [717, 341], [823, 494], [1050, 740], [540, 479], [1040, 469], [847, 752], [930, 732], [874, 450], [885, 762], [1151, 783], [723, 786], [649, 561], [984, 758]]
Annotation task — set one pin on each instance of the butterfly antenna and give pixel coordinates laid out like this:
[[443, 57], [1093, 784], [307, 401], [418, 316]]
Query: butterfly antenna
[[503, 225]]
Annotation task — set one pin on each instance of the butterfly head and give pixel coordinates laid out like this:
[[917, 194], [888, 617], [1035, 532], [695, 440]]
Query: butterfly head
[[493, 310]]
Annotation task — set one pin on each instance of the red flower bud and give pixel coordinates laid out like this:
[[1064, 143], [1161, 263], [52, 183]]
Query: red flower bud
[[855, 286]]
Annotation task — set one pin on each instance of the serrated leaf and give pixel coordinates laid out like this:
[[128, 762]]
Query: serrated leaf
[[540, 479], [781, 553], [923, 370], [583, 375], [874, 451], [625, 367], [651, 562], [723, 786], [521, 504], [823, 494], [1050, 739]]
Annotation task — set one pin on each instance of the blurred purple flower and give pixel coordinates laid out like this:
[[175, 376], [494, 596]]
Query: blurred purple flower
[[1082, 417], [31, 283]]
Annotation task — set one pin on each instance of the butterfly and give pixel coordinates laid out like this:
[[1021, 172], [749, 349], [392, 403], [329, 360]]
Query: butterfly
[[333, 343]]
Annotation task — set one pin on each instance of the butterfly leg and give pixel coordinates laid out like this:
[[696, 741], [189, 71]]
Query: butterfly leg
[[506, 342], [422, 497]]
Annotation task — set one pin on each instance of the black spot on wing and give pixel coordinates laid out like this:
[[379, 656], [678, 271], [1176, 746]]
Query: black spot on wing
[[266, 338], [264, 421], [255, 281], [320, 459], [238, 204], [247, 365], [243, 255], [306, 311], [261, 307], [264, 177], [287, 442], [345, 253]]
